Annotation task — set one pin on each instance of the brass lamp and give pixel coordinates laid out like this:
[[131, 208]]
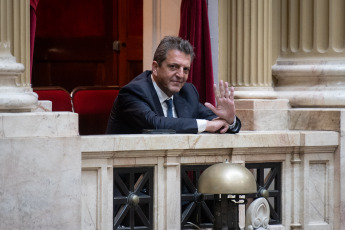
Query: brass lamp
[[227, 179]]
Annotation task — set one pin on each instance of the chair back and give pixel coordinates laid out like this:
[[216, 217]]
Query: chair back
[[93, 104], [60, 98]]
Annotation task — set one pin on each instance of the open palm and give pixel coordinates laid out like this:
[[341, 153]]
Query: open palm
[[225, 107]]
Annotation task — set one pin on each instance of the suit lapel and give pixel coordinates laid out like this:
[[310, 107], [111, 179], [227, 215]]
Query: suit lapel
[[181, 106], [155, 100]]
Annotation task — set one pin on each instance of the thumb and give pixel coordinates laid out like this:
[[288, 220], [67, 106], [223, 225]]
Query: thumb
[[210, 106]]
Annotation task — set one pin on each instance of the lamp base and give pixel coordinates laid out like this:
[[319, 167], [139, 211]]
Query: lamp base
[[226, 212]]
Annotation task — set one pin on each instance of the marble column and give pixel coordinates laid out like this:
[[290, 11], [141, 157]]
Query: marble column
[[13, 98], [245, 60], [15, 28], [15, 92], [245, 50], [310, 69], [40, 167]]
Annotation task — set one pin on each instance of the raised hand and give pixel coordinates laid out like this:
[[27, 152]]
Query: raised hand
[[225, 108]]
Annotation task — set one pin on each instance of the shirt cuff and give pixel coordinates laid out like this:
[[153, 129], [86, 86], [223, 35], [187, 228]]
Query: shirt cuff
[[233, 124], [201, 125]]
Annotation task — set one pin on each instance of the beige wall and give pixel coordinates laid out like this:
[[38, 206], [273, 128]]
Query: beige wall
[[161, 18]]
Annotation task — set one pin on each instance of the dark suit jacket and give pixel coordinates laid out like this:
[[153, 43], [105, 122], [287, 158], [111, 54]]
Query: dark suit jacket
[[137, 107]]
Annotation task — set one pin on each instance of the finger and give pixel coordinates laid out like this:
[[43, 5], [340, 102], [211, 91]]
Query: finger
[[232, 93], [210, 106], [215, 90], [221, 88], [224, 129], [216, 93], [227, 92]]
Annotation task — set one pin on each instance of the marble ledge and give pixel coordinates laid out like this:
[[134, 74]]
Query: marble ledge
[[38, 124], [262, 104], [315, 119], [244, 139]]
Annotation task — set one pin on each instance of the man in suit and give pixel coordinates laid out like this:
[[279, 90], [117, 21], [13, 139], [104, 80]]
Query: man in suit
[[142, 104]]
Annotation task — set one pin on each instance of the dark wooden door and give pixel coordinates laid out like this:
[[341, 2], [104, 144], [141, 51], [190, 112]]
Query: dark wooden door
[[74, 42], [129, 34]]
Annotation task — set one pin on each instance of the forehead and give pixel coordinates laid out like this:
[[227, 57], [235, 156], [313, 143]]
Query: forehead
[[178, 57]]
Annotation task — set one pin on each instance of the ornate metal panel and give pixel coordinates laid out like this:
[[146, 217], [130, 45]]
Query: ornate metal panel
[[268, 177], [133, 198], [196, 208]]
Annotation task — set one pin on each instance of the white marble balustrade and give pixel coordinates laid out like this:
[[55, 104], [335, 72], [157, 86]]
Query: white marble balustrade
[[308, 172]]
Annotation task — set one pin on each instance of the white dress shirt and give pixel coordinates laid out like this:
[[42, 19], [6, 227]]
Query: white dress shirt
[[163, 97]]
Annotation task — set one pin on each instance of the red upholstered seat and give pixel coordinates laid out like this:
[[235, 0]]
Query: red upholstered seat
[[60, 98], [93, 104]]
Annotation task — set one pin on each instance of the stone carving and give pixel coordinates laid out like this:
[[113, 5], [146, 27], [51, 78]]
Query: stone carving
[[258, 215]]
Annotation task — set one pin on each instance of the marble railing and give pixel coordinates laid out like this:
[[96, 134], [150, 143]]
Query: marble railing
[[308, 172]]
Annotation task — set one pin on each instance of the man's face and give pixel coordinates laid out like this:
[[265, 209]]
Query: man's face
[[173, 72]]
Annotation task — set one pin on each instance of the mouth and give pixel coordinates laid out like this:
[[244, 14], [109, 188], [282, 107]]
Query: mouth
[[176, 83], [180, 81]]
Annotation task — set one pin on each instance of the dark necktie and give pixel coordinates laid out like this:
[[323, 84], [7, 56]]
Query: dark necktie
[[169, 104]]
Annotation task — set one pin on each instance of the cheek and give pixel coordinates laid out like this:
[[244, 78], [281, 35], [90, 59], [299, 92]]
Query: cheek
[[185, 78]]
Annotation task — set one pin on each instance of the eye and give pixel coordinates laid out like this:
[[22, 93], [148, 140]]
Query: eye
[[172, 67], [186, 70]]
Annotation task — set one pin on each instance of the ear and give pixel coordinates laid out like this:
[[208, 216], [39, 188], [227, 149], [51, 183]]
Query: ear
[[154, 67]]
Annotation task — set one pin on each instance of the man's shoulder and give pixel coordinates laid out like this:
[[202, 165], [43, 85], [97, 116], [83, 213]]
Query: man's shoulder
[[140, 85], [143, 77], [140, 81]]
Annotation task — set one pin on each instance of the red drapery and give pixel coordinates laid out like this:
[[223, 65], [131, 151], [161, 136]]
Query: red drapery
[[33, 7], [194, 27]]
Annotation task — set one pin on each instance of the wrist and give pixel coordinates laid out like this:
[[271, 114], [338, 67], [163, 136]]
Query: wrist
[[231, 126]]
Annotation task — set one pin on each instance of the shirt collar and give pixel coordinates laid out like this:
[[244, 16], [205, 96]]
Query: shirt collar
[[161, 95]]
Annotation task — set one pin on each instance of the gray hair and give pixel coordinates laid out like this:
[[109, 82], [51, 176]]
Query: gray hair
[[172, 43]]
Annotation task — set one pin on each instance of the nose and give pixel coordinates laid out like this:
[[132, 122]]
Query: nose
[[179, 72]]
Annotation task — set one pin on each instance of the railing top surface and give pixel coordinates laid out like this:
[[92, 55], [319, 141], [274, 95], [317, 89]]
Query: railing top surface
[[244, 139]]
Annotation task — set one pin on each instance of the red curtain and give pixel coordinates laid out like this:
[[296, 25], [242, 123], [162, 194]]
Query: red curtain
[[33, 7], [194, 27]]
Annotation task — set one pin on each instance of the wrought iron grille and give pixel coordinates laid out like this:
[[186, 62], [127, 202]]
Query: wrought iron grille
[[133, 198], [268, 176], [196, 208]]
